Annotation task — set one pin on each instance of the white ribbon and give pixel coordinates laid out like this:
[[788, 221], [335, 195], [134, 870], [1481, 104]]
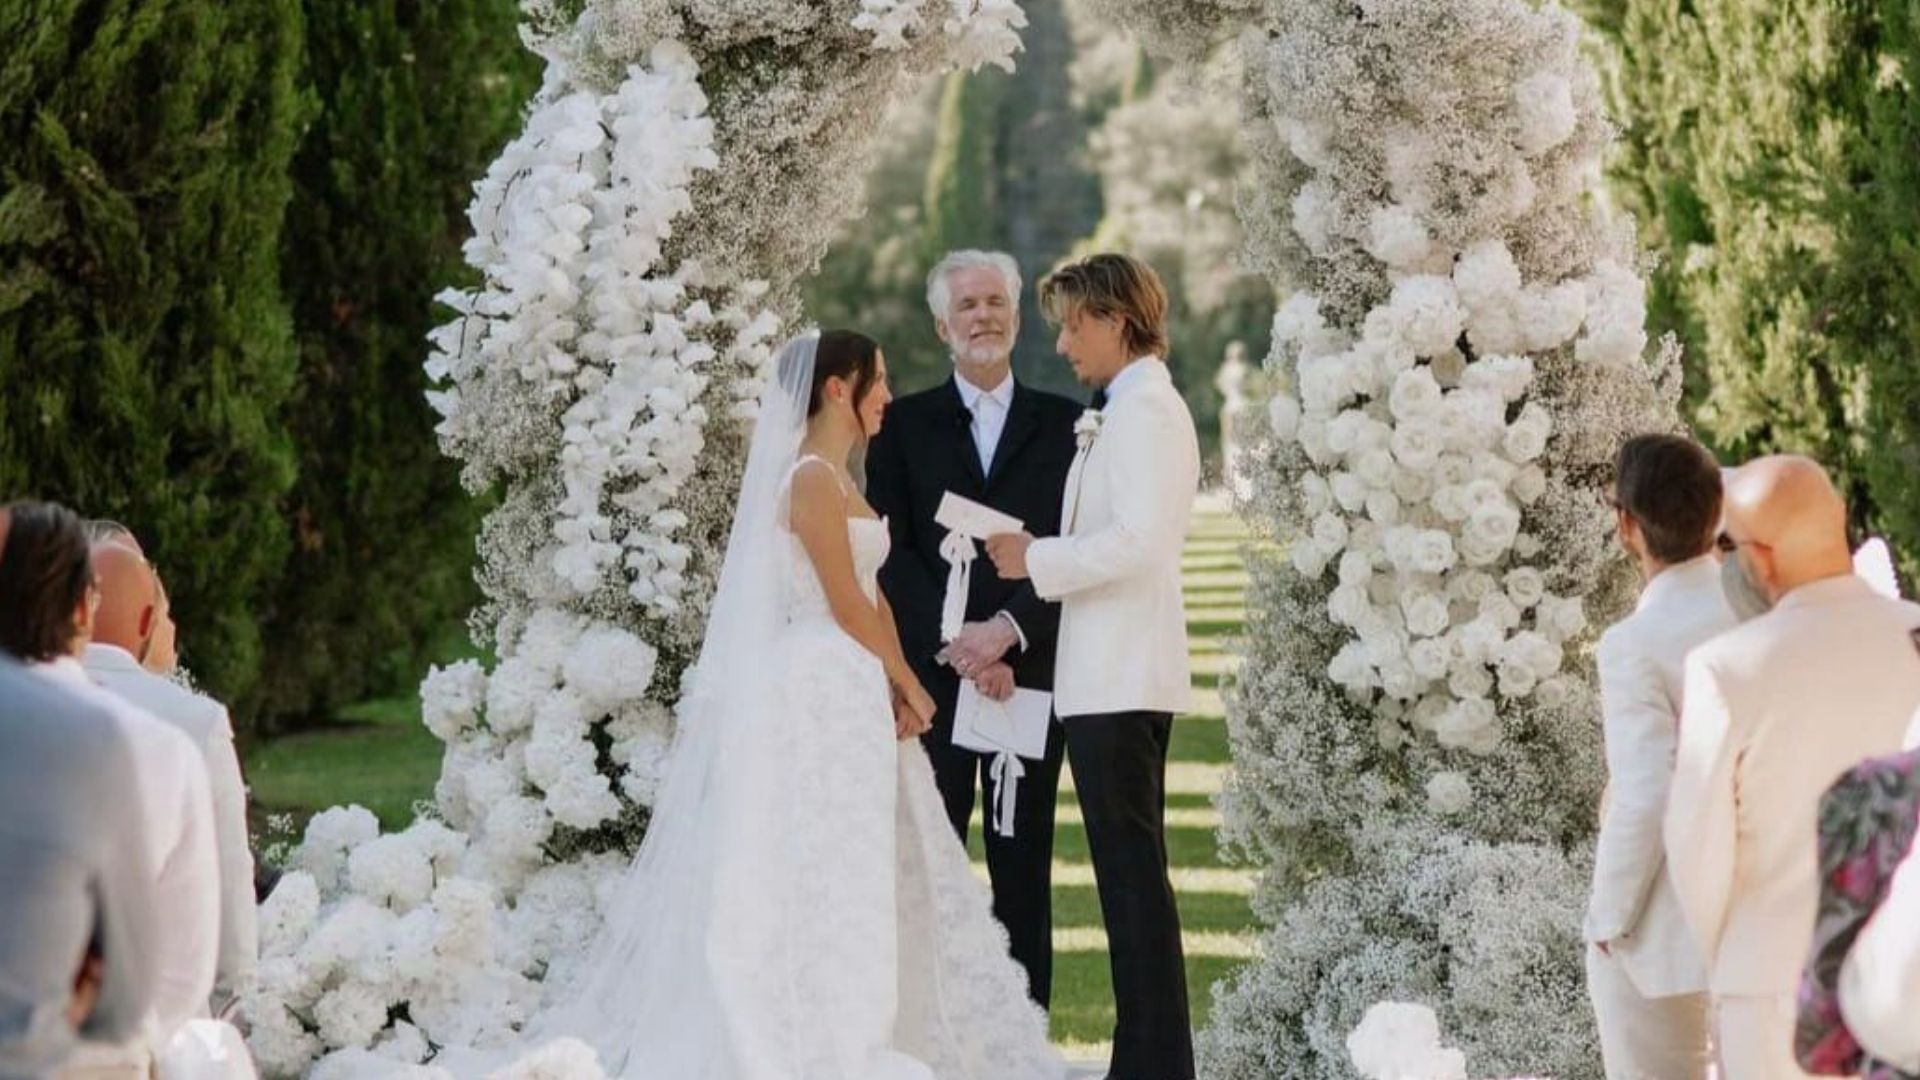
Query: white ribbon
[[959, 552], [1006, 773]]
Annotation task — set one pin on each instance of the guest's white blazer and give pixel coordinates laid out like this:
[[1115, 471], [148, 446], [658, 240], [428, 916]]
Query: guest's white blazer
[[204, 721], [1775, 711], [1116, 567], [1642, 663]]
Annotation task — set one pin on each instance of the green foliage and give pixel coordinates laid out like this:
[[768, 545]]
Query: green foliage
[[145, 348], [963, 198], [1771, 146], [414, 100]]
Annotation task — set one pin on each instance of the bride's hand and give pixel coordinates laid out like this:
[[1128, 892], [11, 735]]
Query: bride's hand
[[905, 724], [912, 706]]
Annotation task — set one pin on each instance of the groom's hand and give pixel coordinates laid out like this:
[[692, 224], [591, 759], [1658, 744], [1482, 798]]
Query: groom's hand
[[1009, 554]]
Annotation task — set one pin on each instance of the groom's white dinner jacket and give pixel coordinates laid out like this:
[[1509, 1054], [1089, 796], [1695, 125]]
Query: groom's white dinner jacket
[[1642, 660], [1116, 564], [1775, 711]]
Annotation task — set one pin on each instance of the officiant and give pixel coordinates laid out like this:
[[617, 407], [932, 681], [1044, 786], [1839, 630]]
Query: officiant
[[985, 437]]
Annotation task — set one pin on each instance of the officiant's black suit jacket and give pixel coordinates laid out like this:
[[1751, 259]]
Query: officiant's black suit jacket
[[924, 450]]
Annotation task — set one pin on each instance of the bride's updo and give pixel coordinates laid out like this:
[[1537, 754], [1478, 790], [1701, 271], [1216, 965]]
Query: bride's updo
[[843, 354]]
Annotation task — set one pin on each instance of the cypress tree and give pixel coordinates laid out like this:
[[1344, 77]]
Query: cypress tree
[[1770, 145], [413, 101], [145, 348]]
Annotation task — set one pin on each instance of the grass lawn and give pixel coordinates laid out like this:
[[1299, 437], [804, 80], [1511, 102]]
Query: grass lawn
[[380, 756]]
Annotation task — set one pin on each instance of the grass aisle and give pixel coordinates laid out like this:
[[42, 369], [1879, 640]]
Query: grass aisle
[[381, 757]]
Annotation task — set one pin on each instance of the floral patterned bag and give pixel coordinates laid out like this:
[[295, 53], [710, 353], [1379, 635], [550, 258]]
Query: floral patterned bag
[[1868, 820]]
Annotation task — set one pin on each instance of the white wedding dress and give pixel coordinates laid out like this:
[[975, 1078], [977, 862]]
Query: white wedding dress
[[801, 909]]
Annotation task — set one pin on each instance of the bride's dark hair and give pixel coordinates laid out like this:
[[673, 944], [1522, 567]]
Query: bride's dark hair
[[843, 354]]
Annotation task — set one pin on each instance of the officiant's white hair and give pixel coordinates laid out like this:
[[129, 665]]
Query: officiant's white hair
[[940, 293]]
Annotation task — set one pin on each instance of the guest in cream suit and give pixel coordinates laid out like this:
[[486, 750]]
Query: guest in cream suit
[[1775, 711], [124, 633], [1644, 970], [1122, 671]]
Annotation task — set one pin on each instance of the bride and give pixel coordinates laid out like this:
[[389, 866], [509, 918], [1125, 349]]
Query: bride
[[800, 908]]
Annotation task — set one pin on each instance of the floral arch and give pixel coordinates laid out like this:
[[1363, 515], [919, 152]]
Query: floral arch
[[1416, 762]]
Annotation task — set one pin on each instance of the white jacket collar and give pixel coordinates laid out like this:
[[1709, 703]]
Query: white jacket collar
[[1700, 572], [110, 658], [1143, 370]]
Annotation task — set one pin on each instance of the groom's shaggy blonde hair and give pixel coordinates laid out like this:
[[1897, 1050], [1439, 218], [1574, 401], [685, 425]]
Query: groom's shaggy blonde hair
[[1110, 286]]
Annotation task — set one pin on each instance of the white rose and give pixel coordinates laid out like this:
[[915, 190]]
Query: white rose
[[1375, 468], [1383, 507], [1526, 586], [1309, 557], [1424, 313], [1426, 612], [1330, 531], [1355, 568], [1450, 502], [1427, 712], [1449, 793], [1430, 551], [1471, 725], [1348, 604], [1399, 682], [1343, 431], [1350, 492], [1554, 693], [1315, 496], [1500, 611], [1471, 586], [1560, 618], [1526, 439], [1417, 445], [1470, 681], [1496, 525], [1313, 441], [1529, 484], [1389, 732], [1430, 658], [1416, 395], [1412, 487]]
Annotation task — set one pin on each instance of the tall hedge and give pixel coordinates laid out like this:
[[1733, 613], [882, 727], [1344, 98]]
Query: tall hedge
[[413, 101], [1770, 146], [146, 355]]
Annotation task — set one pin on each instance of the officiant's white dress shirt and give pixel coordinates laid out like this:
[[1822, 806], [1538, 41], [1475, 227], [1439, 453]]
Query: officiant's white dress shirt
[[204, 721], [173, 789], [1116, 565], [989, 410]]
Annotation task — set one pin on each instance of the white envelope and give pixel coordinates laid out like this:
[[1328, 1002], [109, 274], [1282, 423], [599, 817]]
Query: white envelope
[[1018, 726], [969, 518]]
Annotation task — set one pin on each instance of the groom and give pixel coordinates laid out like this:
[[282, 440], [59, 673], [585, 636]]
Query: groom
[[984, 436], [1122, 671]]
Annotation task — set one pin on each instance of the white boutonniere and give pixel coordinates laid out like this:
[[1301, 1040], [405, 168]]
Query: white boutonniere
[[1087, 428]]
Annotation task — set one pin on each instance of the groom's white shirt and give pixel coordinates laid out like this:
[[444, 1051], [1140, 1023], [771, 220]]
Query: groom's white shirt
[[1116, 565], [205, 723], [174, 797], [1642, 663], [1775, 711]]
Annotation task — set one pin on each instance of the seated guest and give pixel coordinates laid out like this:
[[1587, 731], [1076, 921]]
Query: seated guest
[[1775, 710], [1880, 983], [124, 630], [47, 601], [1644, 970], [79, 933]]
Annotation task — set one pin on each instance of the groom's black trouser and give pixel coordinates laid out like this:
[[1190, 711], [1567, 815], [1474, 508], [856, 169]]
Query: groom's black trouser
[[1120, 771], [1021, 866]]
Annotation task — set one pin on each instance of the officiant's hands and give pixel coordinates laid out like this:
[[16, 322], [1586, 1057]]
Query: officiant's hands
[[995, 682], [980, 646], [1009, 554]]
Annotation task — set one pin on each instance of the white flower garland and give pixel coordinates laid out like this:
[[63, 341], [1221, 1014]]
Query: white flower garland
[[596, 376], [1415, 753]]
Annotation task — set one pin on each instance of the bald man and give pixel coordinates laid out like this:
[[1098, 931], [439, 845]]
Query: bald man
[[1774, 711], [127, 626]]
